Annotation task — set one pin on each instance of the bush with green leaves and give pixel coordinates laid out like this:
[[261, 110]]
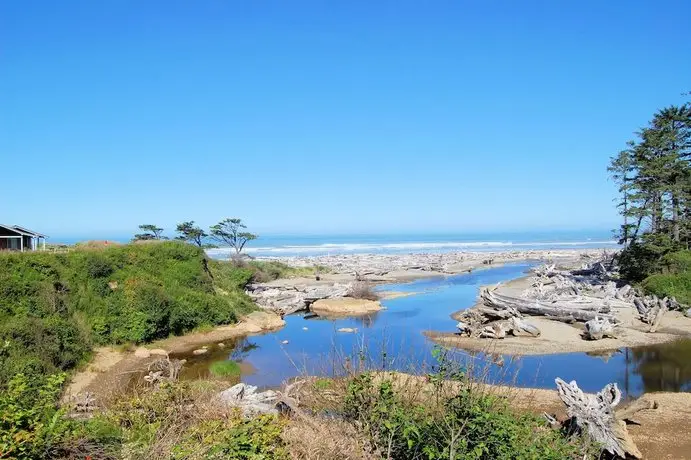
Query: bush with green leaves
[[54, 307], [177, 420], [31, 425], [455, 419]]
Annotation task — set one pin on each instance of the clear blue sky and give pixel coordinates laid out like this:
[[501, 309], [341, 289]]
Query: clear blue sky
[[327, 116]]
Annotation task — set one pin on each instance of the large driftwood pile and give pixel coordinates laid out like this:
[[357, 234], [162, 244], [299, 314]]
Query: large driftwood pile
[[588, 295], [494, 323], [600, 417]]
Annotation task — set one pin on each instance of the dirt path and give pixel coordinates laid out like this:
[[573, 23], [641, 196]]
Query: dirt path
[[110, 370]]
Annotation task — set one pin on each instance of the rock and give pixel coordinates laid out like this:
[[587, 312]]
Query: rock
[[200, 351], [158, 352], [249, 400], [113, 285], [221, 345], [284, 342], [261, 321], [345, 306], [348, 329], [142, 352]]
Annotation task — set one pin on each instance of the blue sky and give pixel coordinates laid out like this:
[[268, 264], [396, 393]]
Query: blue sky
[[336, 116]]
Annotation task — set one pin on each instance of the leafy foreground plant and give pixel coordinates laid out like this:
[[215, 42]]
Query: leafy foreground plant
[[452, 419], [174, 421]]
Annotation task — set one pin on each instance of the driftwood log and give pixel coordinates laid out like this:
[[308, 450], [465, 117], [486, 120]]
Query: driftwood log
[[561, 311], [599, 328], [598, 417], [164, 369], [498, 329]]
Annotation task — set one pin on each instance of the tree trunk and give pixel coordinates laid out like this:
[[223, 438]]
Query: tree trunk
[[675, 218]]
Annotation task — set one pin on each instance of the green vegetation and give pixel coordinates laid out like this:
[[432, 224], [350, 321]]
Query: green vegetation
[[448, 416], [322, 384], [55, 307], [231, 232], [264, 271], [654, 178], [464, 424], [190, 233], [173, 421], [225, 369], [229, 274], [149, 232]]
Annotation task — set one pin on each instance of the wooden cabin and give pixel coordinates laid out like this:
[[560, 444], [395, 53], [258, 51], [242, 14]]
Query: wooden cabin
[[16, 238]]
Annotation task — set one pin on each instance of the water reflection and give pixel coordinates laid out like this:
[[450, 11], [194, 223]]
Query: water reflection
[[664, 367]]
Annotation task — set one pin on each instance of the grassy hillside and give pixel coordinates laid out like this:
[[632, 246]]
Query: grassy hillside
[[55, 307]]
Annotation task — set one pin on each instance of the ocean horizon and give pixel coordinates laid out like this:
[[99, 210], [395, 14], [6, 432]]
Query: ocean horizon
[[316, 245], [305, 245]]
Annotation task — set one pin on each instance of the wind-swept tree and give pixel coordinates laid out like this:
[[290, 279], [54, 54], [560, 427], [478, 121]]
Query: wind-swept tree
[[150, 232], [231, 232], [191, 233]]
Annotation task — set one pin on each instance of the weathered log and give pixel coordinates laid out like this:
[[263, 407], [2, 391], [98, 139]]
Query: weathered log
[[596, 269], [523, 328], [494, 331], [598, 328], [657, 316], [538, 308], [164, 369], [493, 313], [595, 415]]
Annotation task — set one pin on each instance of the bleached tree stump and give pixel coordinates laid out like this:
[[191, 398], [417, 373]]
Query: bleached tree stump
[[598, 328], [596, 416]]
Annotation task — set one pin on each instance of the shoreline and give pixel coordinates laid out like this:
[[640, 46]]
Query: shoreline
[[109, 370]]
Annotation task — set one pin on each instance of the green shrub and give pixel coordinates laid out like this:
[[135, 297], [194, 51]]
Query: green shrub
[[177, 421], [647, 257], [30, 421], [256, 438], [465, 425], [54, 306], [676, 262], [670, 285], [225, 369]]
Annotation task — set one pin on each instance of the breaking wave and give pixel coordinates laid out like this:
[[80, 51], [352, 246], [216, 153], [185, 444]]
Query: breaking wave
[[407, 247]]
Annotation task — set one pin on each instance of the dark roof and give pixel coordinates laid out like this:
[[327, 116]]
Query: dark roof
[[26, 231], [11, 229]]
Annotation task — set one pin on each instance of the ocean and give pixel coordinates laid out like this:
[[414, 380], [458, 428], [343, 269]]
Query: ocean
[[316, 245]]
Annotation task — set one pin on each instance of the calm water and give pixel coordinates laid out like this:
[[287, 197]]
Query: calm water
[[393, 339]]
